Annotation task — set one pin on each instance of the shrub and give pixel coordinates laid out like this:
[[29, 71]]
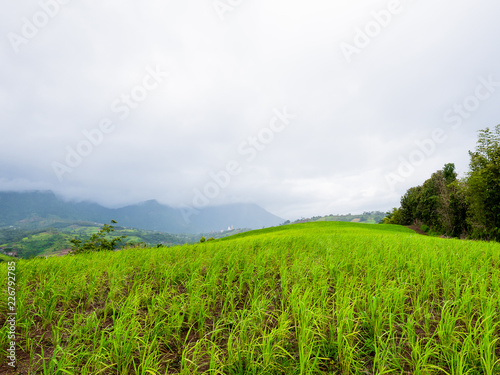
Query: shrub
[[97, 242]]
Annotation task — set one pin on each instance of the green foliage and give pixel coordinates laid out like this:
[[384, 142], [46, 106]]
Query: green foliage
[[425, 228], [409, 205], [483, 185], [429, 201], [29, 244], [51, 241], [393, 217], [203, 239], [438, 203], [469, 207], [98, 241], [459, 208], [449, 173]]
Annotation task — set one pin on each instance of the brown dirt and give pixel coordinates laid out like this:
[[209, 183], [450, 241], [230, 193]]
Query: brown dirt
[[417, 229]]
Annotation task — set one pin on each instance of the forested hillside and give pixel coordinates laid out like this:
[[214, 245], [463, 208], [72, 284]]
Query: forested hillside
[[52, 241]]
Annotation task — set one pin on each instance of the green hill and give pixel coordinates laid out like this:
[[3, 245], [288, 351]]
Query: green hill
[[55, 240], [370, 217], [314, 298]]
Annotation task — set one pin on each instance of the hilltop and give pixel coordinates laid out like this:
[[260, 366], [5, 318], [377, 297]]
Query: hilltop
[[367, 217]]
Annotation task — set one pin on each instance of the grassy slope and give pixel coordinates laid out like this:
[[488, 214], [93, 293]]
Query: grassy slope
[[51, 241], [300, 299]]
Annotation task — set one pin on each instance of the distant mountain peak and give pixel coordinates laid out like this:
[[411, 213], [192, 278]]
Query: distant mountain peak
[[17, 207]]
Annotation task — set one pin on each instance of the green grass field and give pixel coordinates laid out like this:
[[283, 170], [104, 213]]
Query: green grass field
[[315, 298]]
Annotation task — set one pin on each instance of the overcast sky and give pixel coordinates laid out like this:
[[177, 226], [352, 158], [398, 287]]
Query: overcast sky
[[303, 107]]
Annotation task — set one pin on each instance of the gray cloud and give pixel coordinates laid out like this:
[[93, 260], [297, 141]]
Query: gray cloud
[[353, 120]]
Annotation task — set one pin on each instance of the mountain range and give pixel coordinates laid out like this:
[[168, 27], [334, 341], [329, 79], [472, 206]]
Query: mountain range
[[32, 210]]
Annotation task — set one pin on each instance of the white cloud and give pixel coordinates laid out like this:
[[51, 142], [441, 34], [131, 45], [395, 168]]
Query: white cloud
[[353, 120]]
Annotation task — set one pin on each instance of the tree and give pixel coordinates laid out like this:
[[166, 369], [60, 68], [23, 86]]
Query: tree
[[409, 204], [393, 217], [450, 175], [98, 241], [459, 208], [469, 207], [429, 202], [438, 203], [483, 183]]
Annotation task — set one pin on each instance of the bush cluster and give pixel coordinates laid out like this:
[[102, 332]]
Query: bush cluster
[[98, 241]]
